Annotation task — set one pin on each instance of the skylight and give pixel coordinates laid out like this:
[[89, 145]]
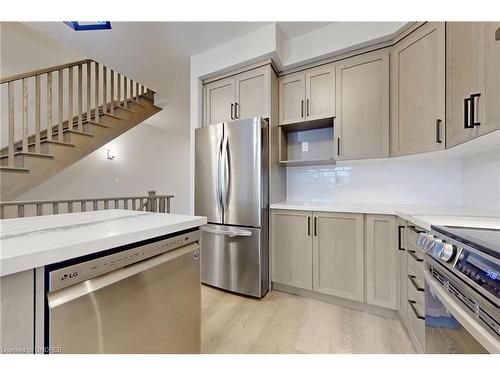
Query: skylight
[[88, 25]]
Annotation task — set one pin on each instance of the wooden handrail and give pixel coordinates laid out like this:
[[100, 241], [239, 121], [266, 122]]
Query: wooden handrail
[[34, 73]]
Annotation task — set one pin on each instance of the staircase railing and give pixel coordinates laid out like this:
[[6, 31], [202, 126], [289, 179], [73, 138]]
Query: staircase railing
[[151, 202], [72, 94]]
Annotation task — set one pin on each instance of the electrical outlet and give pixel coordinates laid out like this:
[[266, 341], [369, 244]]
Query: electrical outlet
[[338, 180], [305, 146]]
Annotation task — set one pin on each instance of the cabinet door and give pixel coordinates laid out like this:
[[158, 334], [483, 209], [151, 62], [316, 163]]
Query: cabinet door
[[491, 100], [362, 95], [381, 257], [219, 101], [402, 272], [292, 248], [292, 99], [252, 93], [320, 92], [464, 56], [338, 261], [418, 92]]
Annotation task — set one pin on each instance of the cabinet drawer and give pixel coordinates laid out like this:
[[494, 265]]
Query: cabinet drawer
[[416, 295], [415, 271], [416, 326]]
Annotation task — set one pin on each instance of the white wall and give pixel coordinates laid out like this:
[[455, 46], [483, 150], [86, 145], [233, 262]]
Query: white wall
[[481, 180], [147, 158]]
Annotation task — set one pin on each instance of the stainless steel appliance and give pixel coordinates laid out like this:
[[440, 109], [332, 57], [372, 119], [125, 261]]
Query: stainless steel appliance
[[231, 190], [462, 289], [142, 298]]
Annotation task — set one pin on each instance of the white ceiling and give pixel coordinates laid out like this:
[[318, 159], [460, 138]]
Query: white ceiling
[[157, 54]]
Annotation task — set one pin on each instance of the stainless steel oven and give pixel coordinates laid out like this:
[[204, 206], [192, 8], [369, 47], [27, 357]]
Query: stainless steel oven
[[462, 272]]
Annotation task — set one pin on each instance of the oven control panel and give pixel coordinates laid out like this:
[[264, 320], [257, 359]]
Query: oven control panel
[[484, 272], [70, 275]]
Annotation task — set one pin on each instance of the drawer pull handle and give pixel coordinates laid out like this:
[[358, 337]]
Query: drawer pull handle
[[414, 229], [415, 311], [400, 247], [414, 283], [412, 254]]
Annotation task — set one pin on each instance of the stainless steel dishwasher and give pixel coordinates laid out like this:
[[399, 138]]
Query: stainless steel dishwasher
[[141, 299]]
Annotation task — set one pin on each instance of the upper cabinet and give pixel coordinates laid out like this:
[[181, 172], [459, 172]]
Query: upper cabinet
[[418, 91], [219, 101], [473, 80], [362, 96], [307, 96], [241, 96]]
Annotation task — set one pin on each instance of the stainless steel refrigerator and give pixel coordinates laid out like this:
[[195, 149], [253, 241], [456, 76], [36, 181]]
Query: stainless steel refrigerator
[[231, 190]]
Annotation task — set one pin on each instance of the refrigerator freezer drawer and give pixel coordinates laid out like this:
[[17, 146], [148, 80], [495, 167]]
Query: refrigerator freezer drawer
[[233, 258]]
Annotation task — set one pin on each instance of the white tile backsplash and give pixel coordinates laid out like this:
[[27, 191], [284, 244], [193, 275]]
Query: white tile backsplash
[[402, 181]]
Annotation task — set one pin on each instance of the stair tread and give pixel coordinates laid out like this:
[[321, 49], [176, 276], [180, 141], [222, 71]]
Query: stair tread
[[111, 115], [78, 132], [34, 154], [13, 169]]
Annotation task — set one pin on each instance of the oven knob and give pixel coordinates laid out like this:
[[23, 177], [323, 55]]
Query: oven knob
[[428, 244], [447, 252]]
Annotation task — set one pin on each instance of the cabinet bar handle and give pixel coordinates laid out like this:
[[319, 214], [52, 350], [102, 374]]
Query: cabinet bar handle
[[301, 108], [412, 254], [438, 130], [315, 226], [338, 146], [309, 225], [236, 111], [414, 283], [473, 110], [307, 108], [232, 111], [415, 311], [466, 114], [400, 247]]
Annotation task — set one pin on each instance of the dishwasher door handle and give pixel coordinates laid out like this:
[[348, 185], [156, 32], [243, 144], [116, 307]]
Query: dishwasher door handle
[[65, 295]]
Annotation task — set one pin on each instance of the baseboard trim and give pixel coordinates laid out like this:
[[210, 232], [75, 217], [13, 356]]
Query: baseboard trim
[[376, 310]]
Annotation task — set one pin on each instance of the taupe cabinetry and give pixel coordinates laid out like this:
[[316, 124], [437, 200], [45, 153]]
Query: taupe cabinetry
[[402, 273], [241, 96], [418, 91], [362, 108], [320, 251], [218, 105], [307, 96], [17, 312], [292, 248], [338, 261], [473, 80], [381, 261]]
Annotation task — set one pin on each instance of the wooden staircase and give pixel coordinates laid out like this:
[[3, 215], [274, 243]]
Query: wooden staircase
[[102, 105]]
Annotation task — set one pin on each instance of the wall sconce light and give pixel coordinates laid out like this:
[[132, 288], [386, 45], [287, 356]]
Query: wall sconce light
[[111, 154]]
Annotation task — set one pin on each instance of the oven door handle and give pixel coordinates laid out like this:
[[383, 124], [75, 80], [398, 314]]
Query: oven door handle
[[489, 342]]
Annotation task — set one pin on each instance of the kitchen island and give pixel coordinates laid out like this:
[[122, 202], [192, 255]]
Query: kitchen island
[[31, 247]]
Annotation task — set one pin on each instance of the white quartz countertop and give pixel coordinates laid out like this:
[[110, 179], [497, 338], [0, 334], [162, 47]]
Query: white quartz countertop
[[421, 215], [32, 242]]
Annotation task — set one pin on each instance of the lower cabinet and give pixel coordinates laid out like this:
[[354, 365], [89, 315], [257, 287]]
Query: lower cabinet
[[292, 248], [402, 272], [381, 260], [338, 261], [325, 252]]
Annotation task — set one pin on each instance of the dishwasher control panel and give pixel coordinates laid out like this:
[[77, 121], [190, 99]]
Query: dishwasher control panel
[[74, 274]]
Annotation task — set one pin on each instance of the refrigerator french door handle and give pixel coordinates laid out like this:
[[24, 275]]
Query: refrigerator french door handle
[[225, 173], [220, 182]]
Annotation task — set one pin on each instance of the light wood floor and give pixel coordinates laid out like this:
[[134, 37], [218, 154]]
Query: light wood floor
[[284, 323]]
